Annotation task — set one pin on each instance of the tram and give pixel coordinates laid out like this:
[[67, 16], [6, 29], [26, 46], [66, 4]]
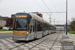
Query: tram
[[29, 26]]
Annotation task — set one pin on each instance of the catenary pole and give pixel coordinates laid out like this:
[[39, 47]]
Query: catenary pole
[[66, 15]]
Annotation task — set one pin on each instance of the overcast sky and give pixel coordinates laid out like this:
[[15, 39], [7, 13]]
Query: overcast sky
[[8, 7]]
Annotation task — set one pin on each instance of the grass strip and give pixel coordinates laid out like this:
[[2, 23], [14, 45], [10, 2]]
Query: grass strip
[[5, 30], [71, 32]]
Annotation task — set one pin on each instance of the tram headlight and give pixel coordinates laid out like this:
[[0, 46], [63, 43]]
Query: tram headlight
[[27, 32]]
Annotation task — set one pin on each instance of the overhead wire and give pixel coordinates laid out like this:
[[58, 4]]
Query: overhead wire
[[46, 5], [54, 5], [61, 8], [38, 5], [56, 9]]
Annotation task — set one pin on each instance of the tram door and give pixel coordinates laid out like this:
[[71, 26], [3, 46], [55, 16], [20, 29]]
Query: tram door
[[35, 29], [39, 29]]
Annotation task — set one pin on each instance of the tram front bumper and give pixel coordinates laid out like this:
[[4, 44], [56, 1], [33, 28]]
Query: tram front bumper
[[15, 37]]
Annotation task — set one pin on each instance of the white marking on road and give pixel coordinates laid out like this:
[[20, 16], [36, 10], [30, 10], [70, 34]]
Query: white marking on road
[[35, 49], [9, 45], [9, 40]]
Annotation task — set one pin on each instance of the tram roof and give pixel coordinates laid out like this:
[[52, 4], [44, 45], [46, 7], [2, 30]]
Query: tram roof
[[36, 16]]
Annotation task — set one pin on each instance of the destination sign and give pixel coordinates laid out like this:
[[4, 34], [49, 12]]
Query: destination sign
[[19, 16]]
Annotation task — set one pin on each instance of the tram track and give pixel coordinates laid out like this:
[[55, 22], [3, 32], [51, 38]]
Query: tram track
[[37, 43], [49, 39], [54, 42], [31, 42]]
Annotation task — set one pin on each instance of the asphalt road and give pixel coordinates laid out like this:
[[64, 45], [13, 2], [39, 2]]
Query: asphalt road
[[6, 35]]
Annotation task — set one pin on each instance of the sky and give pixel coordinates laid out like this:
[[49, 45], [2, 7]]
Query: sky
[[8, 7]]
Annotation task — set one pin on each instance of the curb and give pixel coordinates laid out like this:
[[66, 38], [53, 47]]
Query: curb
[[6, 32], [66, 41]]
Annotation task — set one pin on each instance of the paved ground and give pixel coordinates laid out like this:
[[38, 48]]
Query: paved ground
[[68, 42], [57, 41], [50, 42]]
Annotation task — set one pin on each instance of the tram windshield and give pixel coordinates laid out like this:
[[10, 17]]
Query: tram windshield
[[22, 21], [21, 24]]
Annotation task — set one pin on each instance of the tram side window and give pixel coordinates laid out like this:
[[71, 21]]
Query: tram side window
[[54, 28], [47, 27], [39, 26], [33, 24], [29, 18], [51, 28], [44, 26]]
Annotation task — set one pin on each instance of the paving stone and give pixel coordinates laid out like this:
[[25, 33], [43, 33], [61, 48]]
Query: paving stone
[[8, 43], [41, 49], [55, 49], [20, 49], [35, 48], [10, 40]]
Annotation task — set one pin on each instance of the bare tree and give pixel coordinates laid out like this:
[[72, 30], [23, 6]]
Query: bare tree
[[72, 25]]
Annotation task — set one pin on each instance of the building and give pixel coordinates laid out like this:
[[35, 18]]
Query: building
[[2, 21], [60, 27]]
